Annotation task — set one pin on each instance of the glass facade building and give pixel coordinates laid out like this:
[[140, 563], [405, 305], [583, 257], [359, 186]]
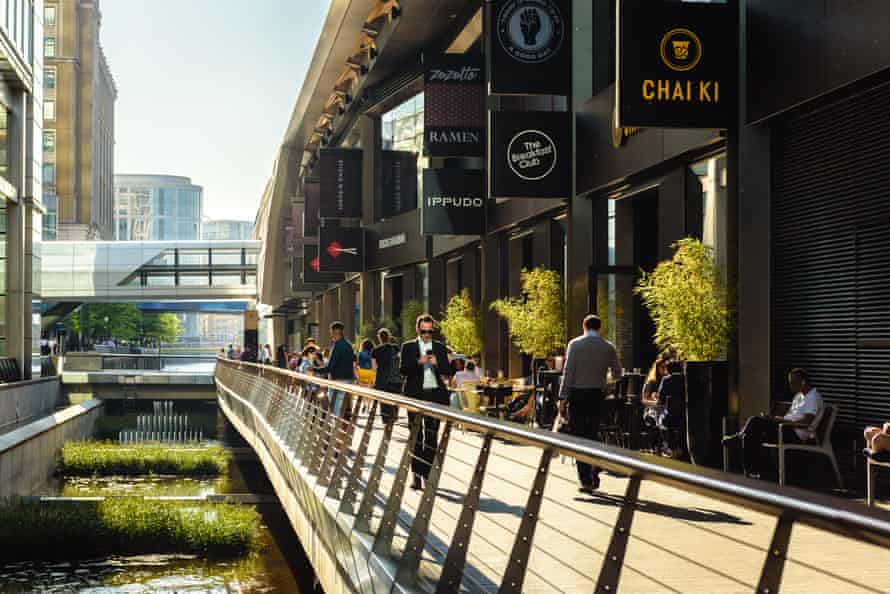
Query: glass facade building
[[226, 229], [157, 207]]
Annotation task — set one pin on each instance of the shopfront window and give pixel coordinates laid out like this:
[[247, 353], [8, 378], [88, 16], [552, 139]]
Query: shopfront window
[[402, 130]]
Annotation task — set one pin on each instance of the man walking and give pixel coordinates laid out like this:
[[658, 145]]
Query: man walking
[[424, 363], [588, 358], [340, 366]]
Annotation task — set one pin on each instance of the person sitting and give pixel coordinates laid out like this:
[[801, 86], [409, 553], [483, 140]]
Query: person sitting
[[877, 439], [672, 421], [467, 374], [653, 411], [364, 355], [800, 423]]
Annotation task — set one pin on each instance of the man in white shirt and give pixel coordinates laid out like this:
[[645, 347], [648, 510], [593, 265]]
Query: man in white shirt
[[803, 417]]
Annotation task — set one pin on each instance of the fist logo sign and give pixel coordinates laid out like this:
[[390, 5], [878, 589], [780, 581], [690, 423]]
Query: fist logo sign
[[530, 24]]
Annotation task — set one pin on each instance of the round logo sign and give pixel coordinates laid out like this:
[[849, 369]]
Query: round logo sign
[[680, 50], [530, 31], [531, 155]]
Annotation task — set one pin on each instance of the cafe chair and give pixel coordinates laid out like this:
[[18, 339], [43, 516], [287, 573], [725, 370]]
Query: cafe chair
[[874, 460], [821, 444]]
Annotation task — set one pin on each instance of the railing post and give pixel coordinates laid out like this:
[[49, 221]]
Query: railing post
[[456, 559], [774, 565], [355, 472], [610, 572], [366, 506], [387, 529], [336, 454], [517, 564], [334, 488], [420, 527]]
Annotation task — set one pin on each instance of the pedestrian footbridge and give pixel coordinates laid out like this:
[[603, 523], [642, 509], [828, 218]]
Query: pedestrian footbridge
[[134, 271], [501, 511]]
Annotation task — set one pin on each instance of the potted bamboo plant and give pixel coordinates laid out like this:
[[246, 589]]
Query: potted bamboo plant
[[536, 320], [461, 324], [688, 302]]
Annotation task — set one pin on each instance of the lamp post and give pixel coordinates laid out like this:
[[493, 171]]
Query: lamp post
[[105, 319]]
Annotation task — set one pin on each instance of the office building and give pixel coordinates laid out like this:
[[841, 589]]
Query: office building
[[78, 137], [226, 229], [157, 207]]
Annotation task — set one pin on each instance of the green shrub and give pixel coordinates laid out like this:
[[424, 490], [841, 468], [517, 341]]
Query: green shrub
[[125, 526], [536, 320], [410, 311], [89, 458], [461, 324]]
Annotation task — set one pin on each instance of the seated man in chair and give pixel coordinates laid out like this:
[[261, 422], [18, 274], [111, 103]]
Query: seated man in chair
[[803, 417]]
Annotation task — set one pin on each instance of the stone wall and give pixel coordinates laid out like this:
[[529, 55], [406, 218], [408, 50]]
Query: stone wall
[[24, 402]]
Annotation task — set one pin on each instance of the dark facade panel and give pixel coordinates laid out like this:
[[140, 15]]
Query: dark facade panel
[[800, 50], [402, 242]]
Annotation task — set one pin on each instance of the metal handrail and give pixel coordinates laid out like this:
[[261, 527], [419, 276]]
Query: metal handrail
[[789, 505]]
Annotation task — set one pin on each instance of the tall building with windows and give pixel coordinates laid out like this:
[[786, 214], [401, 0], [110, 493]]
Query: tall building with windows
[[78, 108], [226, 229], [157, 207]]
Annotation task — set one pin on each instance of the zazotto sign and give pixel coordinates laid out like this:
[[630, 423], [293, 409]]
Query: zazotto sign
[[454, 106], [676, 64], [530, 154]]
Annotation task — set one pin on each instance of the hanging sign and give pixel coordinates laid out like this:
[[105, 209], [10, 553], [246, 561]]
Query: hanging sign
[[341, 249], [399, 182], [453, 202], [454, 106], [676, 64], [341, 183], [312, 197], [312, 268], [531, 47], [530, 154]]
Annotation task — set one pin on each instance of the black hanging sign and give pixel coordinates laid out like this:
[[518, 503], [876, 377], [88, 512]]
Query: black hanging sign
[[531, 154], [531, 47], [312, 198], [312, 268], [341, 183], [399, 182], [676, 64], [341, 249], [453, 202], [454, 106]]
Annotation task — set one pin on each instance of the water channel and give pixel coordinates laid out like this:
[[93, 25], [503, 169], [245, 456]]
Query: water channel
[[281, 566]]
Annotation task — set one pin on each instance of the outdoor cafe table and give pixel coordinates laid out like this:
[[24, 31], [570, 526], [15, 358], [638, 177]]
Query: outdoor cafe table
[[497, 394]]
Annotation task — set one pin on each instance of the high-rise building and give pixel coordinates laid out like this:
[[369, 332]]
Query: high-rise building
[[156, 207], [226, 229], [78, 138]]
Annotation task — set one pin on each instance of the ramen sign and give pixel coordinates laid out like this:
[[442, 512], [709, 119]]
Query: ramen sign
[[676, 64]]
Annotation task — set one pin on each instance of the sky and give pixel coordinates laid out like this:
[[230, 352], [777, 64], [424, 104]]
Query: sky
[[206, 89]]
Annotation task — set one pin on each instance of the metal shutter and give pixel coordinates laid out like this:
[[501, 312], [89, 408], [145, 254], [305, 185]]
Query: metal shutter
[[830, 234]]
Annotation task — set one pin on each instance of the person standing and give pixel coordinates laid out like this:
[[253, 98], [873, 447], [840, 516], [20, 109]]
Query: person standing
[[589, 357], [385, 362], [340, 366], [230, 354], [266, 355], [424, 363]]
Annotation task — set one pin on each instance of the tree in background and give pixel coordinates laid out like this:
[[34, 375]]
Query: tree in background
[[161, 327], [536, 320], [462, 324], [370, 327], [125, 322], [410, 311]]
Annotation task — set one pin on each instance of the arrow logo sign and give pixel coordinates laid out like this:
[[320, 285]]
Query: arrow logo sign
[[335, 249]]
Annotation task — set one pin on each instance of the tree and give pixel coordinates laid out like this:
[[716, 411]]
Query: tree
[[688, 301], [536, 320], [161, 327], [462, 324], [410, 311], [123, 320]]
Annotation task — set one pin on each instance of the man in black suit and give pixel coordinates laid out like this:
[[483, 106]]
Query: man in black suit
[[424, 363]]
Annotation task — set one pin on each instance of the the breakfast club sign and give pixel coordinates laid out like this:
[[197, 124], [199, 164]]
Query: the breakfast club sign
[[312, 268], [531, 46], [341, 249], [454, 106], [341, 183], [676, 64], [453, 202], [530, 154], [399, 182]]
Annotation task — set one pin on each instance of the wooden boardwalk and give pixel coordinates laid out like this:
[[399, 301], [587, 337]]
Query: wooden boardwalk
[[680, 542]]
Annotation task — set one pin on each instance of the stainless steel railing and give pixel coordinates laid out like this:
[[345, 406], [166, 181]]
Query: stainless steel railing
[[511, 519]]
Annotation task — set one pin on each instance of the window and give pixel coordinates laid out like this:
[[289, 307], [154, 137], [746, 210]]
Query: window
[[49, 174], [49, 140], [49, 110], [402, 130], [49, 47], [49, 15], [49, 77]]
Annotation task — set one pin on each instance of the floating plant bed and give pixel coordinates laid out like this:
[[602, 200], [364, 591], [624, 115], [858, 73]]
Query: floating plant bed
[[99, 458]]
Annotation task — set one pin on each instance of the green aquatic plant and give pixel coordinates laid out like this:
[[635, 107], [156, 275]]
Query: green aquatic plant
[[68, 530], [89, 458]]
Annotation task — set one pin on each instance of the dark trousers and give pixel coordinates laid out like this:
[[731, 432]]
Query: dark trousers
[[585, 406], [428, 436], [388, 412], [758, 459]]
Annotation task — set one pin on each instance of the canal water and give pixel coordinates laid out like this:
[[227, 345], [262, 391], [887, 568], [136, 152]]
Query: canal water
[[281, 566]]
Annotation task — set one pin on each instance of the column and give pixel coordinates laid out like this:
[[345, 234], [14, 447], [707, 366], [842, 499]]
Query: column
[[18, 269]]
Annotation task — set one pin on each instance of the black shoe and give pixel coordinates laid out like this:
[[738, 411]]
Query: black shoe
[[417, 483]]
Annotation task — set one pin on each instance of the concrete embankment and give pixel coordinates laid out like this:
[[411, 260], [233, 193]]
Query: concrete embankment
[[29, 454], [23, 402]]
